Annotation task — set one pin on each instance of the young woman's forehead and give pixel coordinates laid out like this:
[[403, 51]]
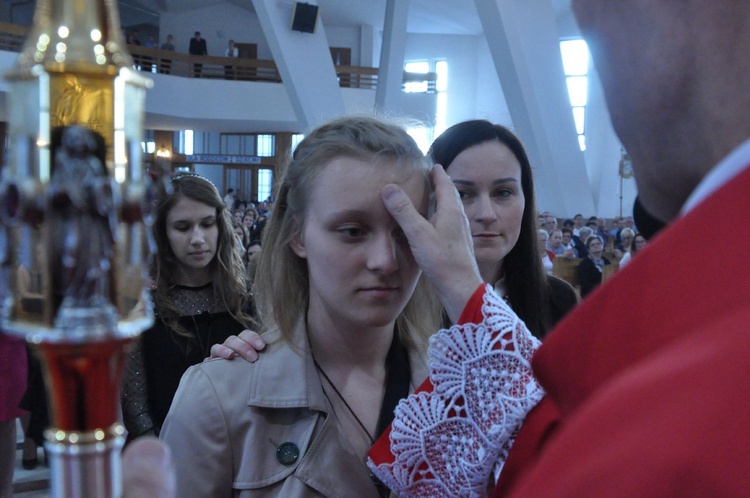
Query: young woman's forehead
[[385, 170], [185, 207], [356, 184]]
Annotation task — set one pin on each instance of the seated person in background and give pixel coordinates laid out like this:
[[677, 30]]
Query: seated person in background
[[639, 242], [550, 223], [617, 225], [599, 228], [546, 255], [580, 241], [262, 208], [590, 269], [577, 224], [254, 226], [243, 238], [199, 296], [630, 223], [568, 242], [555, 244], [626, 240], [237, 215], [540, 221]]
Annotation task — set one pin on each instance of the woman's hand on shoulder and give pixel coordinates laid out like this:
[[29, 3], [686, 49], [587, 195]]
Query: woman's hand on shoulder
[[247, 344]]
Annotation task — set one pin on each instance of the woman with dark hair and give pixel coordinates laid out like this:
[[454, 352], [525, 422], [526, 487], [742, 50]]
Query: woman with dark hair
[[254, 225], [489, 167], [591, 268], [199, 293], [638, 244]]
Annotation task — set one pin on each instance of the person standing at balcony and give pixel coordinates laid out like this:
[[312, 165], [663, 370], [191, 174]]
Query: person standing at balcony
[[232, 52], [166, 64], [148, 62], [198, 46]]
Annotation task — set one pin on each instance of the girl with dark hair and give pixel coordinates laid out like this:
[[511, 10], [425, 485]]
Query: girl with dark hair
[[639, 243], [591, 268], [199, 294], [489, 167], [254, 225]]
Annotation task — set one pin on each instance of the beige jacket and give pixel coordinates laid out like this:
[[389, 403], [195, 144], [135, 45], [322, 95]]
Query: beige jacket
[[228, 419]]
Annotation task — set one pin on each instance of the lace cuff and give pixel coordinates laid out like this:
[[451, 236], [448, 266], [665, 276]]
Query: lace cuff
[[446, 442], [133, 395]]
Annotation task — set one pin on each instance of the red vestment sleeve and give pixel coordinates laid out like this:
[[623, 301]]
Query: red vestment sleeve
[[381, 451]]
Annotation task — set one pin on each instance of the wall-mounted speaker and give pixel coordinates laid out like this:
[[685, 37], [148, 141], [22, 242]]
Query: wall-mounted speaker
[[304, 17]]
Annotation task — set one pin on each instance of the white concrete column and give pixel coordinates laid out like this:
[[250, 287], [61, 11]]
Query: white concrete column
[[391, 71], [367, 45], [304, 62], [525, 46]]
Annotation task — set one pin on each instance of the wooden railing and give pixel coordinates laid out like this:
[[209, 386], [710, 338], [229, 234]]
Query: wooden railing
[[203, 66], [357, 77], [12, 38]]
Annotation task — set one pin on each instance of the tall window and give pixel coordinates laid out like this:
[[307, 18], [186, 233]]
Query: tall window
[[265, 183], [266, 146], [575, 56], [149, 144], [424, 135], [186, 142], [296, 139]]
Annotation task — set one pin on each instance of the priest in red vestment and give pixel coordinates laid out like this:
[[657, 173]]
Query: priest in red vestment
[[646, 381]]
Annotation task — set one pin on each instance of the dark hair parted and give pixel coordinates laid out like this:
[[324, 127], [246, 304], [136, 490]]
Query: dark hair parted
[[527, 286], [226, 268], [282, 285]]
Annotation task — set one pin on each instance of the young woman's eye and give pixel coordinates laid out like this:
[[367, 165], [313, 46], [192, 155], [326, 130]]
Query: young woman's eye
[[351, 232], [463, 194], [208, 224]]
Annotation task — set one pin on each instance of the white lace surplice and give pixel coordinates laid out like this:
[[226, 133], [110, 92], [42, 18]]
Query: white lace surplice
[[446, 442]]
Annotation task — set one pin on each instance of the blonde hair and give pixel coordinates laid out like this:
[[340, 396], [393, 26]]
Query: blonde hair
[[282, 283], [627, 233]]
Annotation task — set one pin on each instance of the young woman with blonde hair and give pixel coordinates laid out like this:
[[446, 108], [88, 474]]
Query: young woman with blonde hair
[[346, 317]]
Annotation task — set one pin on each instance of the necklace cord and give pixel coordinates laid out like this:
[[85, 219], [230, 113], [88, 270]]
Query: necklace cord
[[343, 400], [398, 379]]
